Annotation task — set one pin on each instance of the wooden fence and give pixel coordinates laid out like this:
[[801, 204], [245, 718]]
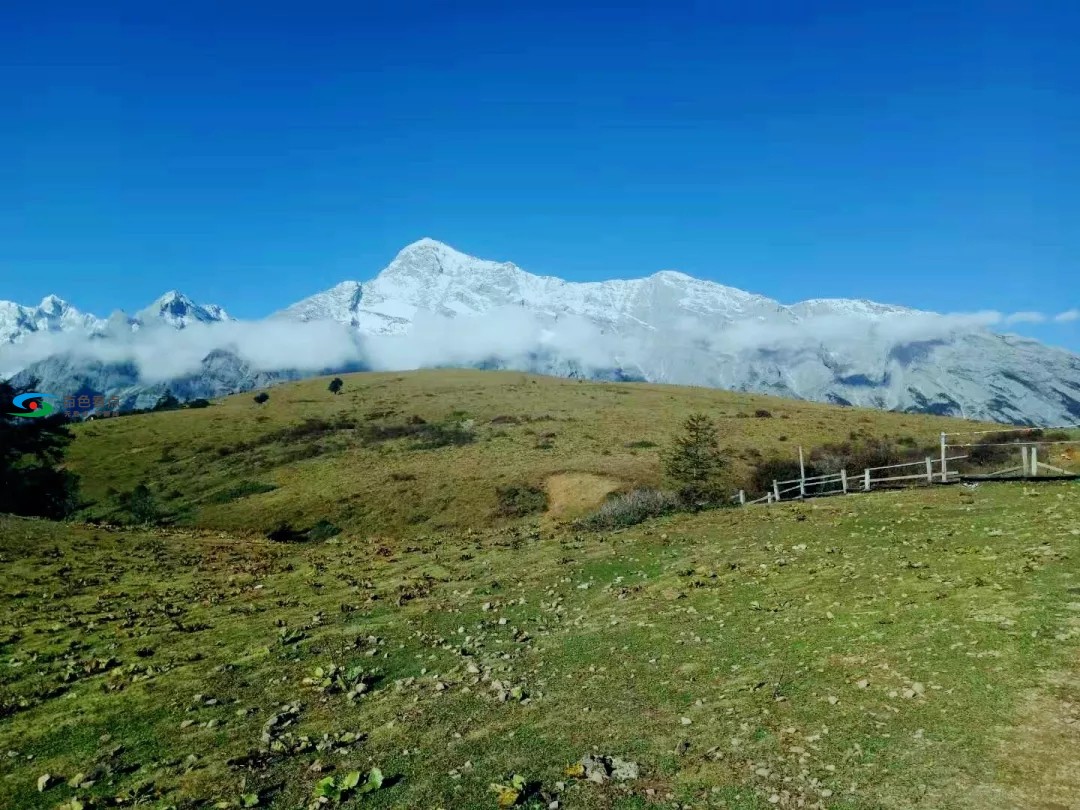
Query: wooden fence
[[931, 470]]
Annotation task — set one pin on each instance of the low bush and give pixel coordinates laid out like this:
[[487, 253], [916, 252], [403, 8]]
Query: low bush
[[630, 508], [519, 500], [140, 505], [323, 530], [761, 413]]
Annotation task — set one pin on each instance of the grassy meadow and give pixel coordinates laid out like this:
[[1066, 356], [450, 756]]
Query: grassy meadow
[[908, 649], [307, 455]]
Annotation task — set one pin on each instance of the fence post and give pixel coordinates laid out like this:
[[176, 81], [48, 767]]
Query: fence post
[[929, 470], [944, 462], [1034, 461], [768, 497], [1025, 464], [843, 480], [776, 489], [802, 474], [866, 480], [742, 497]]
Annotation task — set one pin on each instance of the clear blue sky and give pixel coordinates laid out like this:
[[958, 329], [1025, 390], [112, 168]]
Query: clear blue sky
[[922, 153]]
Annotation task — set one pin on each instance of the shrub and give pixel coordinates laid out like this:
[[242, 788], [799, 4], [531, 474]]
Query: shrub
[[261, 397], [761, 413], [518, 500], [141, 505], [167, 402], [774, 469], [323, 530], [630, 508], [640, 444], [695, 462], [285, 533], [198, 403], [335, 385], [444, 435]]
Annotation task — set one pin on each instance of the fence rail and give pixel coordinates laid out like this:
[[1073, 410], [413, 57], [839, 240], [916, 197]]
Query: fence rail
[[842, 483], [935, 470]]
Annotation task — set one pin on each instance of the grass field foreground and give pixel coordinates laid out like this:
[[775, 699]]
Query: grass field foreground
[[900, 650]]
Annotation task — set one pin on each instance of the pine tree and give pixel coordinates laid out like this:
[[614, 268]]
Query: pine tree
[[167, 402], [695, 462], [31, 481]]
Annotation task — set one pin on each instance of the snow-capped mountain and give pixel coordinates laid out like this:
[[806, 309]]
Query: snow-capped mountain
[[177, 310], [54, 314], [433, 305], [671, 327], [51, 315]]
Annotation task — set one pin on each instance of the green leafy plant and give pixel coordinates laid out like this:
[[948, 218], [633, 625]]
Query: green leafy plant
[[334, 789], [334, 679]]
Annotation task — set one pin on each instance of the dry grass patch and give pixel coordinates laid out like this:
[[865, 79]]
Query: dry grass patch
[[573, 494]]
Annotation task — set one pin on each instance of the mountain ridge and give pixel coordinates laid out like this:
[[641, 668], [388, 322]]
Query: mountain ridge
[[434, 305]]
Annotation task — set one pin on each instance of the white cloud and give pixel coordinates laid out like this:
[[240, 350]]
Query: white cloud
[[1025, 317], [509, 335]]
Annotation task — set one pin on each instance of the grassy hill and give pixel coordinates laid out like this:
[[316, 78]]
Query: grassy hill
[[891, 650], [449, 639], [428, 451]]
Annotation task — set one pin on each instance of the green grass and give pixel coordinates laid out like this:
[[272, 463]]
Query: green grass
[[362, 461], [863, 652]]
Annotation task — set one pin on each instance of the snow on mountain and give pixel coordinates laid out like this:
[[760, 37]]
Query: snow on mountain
[[51, 315], [55, 315], [178, 311], [670, 327], [435, 306]]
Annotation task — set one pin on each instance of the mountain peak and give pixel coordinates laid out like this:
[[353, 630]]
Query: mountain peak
[[52, 304], [177, 310]]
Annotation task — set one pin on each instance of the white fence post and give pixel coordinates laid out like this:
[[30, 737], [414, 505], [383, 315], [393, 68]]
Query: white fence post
[[929, 470], [802, 474], [1034, 460], [776, 489], [944, 461], [843, 480], [866, 480], [768, 497], [742, 497], [1025, 464]]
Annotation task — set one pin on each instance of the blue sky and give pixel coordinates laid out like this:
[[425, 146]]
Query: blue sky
[[249, 154]]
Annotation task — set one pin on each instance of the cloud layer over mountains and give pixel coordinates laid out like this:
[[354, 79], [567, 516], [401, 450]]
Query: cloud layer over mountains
[[433, 306], [161, 353]]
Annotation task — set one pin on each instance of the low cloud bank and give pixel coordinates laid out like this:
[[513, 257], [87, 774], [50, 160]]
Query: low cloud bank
[[161, 353]]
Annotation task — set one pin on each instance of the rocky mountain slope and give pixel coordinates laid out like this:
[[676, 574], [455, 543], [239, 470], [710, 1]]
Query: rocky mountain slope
[[435, 306]]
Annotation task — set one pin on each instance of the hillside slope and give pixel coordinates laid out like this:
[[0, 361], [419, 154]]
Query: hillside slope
[[352, 459], [894, 650]]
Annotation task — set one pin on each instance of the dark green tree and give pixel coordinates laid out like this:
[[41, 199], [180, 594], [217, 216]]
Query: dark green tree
[[167, 402], [261, 397], [32, 482], [695, 463], [142, 505], [335, 385]]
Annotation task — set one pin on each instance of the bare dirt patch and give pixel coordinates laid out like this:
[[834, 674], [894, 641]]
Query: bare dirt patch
[[572, 494]]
